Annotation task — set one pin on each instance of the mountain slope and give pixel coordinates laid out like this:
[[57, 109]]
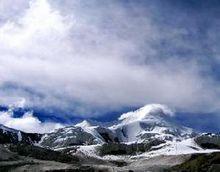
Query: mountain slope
[[148, 131], [149, 128], [150, 122], [83, 133], [200, 163], [8, 135]]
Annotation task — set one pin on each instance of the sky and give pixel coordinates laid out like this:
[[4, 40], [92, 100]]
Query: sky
[[94, 59]]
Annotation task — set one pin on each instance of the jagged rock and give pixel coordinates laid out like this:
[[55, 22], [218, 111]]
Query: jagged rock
[[208, 141], [127, 149], [68, 136]]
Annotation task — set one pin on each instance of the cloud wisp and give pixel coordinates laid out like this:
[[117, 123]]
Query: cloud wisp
[[90, 57]]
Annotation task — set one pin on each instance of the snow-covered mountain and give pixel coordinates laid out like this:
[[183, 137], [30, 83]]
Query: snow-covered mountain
[[151, 128], [149, 123], [145, 133], [83, 133]]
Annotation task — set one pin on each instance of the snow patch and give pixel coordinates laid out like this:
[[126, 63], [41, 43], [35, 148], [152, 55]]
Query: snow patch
[[187, 146], [19, 136]]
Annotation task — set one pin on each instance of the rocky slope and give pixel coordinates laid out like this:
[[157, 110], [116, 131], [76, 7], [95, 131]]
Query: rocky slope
[[8, 135], [199, 163], [208, 141]]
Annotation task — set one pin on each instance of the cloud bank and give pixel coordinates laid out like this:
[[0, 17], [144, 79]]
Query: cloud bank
[[92, 57], [28, 123]]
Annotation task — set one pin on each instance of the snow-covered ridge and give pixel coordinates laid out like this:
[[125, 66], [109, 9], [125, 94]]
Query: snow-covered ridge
[[17, 134], [143, 125], [151, 125], [89, 128], [9, 135], [149, 122], [7, 129]]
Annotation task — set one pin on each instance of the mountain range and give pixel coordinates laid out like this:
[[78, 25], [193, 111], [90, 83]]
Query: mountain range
[[141, 140]]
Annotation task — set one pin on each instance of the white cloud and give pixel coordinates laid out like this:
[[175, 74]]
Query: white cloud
[[28, 123], [74, 60]]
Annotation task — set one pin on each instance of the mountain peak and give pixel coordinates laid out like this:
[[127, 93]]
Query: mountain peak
[[84, 124], [149, 122], [146, 111]]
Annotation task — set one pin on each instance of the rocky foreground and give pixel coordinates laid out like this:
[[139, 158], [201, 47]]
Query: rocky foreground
[[20, 158]]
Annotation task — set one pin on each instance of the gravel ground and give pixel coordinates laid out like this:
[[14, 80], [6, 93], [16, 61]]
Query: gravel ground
[[10, 161]]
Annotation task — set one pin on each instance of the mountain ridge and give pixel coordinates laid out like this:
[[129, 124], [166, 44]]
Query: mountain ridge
[[147, 133]]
